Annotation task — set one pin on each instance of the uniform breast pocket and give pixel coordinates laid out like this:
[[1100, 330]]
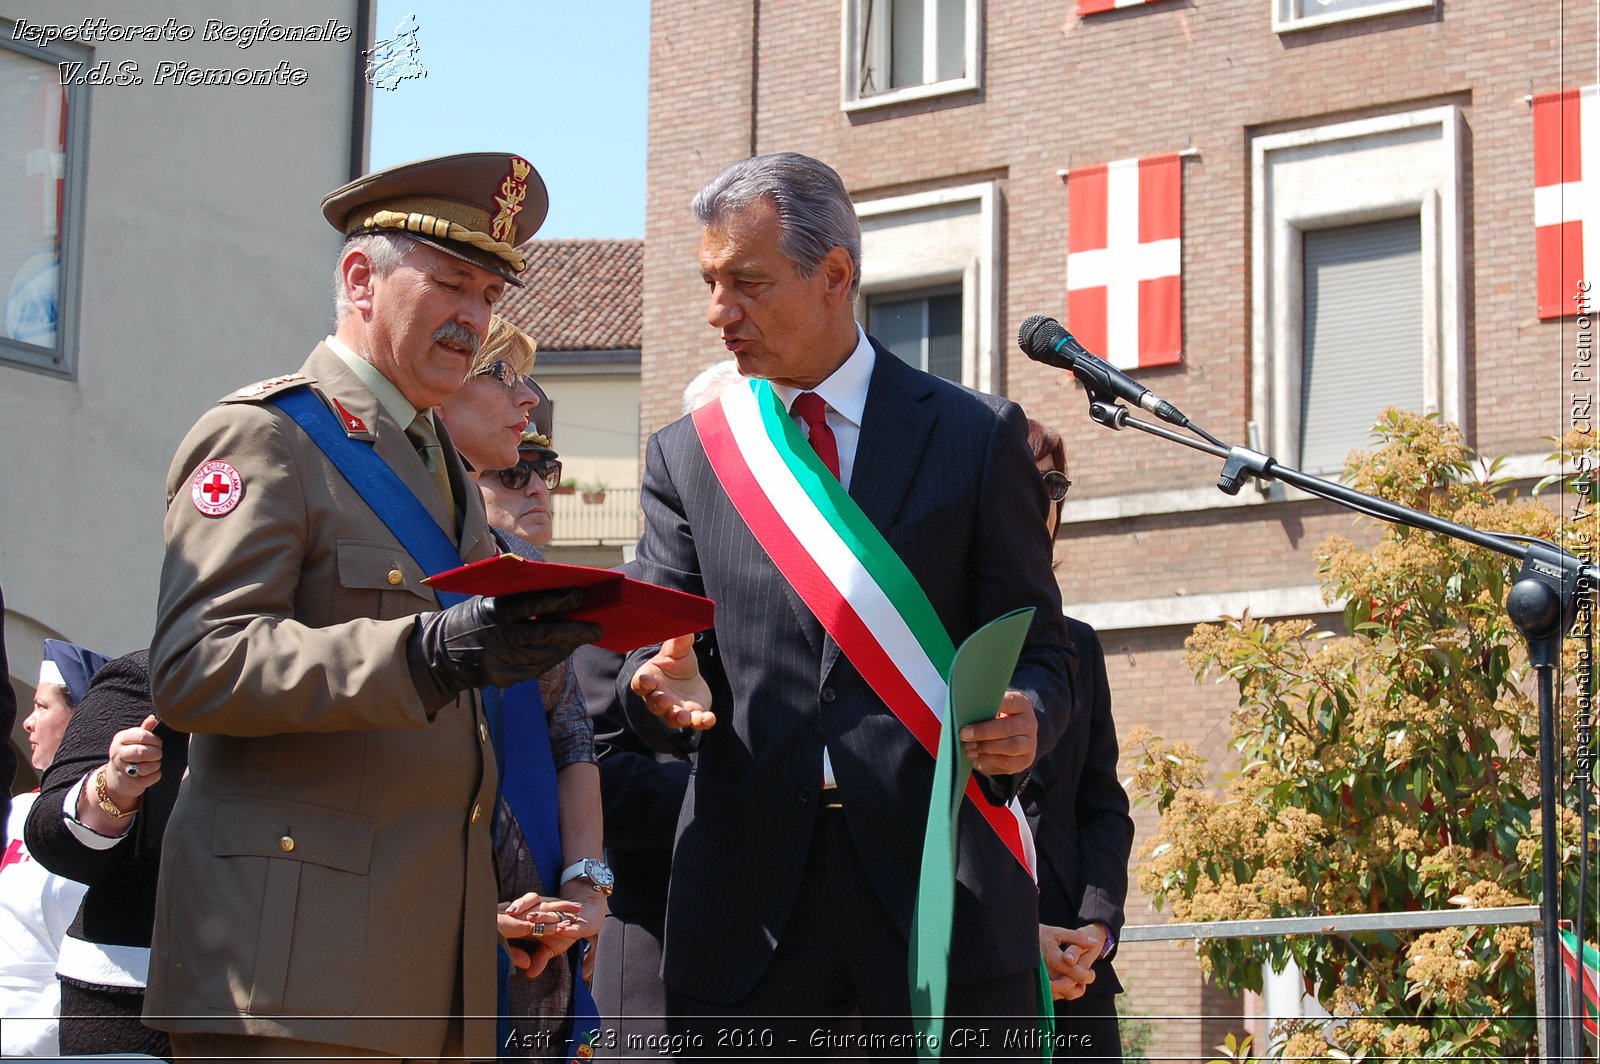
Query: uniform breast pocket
[[297, 877], [387, 574]]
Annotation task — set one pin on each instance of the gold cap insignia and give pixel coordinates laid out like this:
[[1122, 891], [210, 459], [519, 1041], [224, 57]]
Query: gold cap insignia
[[513, 190]]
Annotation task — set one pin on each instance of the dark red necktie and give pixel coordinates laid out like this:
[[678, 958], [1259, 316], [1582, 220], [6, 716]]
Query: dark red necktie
[[813, 411]]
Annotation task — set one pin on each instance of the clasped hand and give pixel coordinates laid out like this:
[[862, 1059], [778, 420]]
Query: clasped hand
[[1069, 956]]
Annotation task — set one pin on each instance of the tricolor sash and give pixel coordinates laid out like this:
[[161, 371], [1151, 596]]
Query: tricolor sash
[[844, 571]]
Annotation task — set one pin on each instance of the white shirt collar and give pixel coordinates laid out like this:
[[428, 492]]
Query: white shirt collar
[[845, 389], [388, 394]]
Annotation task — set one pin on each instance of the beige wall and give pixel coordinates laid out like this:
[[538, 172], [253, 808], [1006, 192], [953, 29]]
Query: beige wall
[[205, 266], [597, 423]]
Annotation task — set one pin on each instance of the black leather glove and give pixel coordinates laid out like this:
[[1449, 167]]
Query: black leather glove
[[492, 642]]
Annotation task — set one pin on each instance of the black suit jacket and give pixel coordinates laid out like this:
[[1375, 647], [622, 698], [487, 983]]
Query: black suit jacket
[[1079, 812], [946, 476], [119, 908], [641, 791]]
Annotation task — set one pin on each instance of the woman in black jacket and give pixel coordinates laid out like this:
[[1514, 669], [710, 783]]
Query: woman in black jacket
[[1079, 814], [99, 818]]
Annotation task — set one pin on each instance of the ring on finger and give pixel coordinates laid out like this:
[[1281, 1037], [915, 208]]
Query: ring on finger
[[132, 770], [537, 930]]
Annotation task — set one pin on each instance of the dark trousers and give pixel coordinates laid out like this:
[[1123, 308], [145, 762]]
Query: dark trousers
[[1086, 1029], [837, 985], [633, 999]]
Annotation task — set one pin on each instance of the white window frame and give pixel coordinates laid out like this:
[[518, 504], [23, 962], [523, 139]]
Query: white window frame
[[1395, 180], [975, 269], [62, 360], [1287, 14], [850, 50]]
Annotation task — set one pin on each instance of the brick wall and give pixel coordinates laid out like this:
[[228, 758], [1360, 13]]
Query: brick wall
[[1057, 91]]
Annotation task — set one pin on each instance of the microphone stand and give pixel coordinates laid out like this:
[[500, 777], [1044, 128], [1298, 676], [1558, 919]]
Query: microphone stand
[[1542, 604]]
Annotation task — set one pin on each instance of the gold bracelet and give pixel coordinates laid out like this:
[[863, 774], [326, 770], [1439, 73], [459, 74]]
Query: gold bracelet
[[106, 803]]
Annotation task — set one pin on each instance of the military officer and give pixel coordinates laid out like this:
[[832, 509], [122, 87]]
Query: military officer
[[326, 880]]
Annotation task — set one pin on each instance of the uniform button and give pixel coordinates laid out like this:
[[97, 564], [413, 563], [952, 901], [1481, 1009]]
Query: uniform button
[[286, 843], [396, 576], [804, 794], [827, 694], [483, 732], [477, 811]]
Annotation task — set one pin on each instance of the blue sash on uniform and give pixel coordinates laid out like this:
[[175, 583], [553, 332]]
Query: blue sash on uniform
[[529, 782]]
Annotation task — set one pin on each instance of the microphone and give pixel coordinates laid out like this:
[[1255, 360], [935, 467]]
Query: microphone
[[1044, 340]]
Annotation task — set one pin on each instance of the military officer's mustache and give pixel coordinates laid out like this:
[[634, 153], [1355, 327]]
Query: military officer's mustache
[[457, 333]]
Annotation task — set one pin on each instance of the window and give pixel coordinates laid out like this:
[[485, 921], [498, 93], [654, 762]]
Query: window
[[925, 330], [1357, 281], [929, 280], [1362, 337], [41, 182], [1301, 14], [898, 50]]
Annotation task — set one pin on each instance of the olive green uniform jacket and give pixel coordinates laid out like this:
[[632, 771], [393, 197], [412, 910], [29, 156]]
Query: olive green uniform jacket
[[327, 873]]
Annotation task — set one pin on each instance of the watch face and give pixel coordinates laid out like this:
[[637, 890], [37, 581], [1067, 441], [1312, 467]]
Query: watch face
[[598, 873]]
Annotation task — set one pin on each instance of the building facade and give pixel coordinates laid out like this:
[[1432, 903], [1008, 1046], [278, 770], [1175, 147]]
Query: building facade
[[581, 302], [160, 172], [1353, 182]]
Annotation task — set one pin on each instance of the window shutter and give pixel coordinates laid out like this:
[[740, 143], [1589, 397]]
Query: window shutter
[[1363, 335]]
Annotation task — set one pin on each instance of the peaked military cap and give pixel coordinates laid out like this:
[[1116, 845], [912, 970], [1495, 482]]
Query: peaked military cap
[[477, 207]]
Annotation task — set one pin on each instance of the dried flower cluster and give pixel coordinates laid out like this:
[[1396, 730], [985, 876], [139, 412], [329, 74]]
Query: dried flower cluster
[[1393, 767]]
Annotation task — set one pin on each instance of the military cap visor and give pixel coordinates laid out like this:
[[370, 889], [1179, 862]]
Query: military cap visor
[[477, 207]]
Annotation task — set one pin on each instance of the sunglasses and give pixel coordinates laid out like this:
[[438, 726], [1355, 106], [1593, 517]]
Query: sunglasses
[[1056, 485], [503, 374], [516, 478]]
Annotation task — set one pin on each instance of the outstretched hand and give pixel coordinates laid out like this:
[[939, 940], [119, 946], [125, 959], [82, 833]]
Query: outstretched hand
[[672, 687]]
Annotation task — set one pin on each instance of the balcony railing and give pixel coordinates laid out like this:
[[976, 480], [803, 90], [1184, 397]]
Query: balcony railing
[[609, 521]]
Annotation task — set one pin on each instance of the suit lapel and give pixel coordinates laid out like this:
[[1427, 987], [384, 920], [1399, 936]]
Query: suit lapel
[[894, 431], [895, 426]]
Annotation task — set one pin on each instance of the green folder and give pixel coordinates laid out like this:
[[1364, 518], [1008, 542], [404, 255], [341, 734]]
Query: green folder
[[980, 673]]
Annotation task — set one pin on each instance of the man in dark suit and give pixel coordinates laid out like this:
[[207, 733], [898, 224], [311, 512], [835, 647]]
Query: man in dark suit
[[795, 869]]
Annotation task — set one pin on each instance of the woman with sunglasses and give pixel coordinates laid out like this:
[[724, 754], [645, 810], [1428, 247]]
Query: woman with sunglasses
[[1081, 828], [518, 496], [487, 419]]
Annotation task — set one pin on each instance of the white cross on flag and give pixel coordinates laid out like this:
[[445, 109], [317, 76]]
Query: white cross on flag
[[1566, 195], [1094, 7], [1125, 262]]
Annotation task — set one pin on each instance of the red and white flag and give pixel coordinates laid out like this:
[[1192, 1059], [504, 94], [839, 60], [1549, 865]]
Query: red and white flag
[[1566, 195], [1094, 7], [1125, 261]]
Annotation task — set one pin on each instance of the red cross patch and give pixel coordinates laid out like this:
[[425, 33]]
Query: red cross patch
[[216, 488]]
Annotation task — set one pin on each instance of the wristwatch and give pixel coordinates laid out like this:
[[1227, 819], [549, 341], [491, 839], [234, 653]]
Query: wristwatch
[[595, 871], [103, 798]]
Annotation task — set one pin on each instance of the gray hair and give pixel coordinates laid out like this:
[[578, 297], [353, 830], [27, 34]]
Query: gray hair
[[384, 252], [815, 214], [710, 383]]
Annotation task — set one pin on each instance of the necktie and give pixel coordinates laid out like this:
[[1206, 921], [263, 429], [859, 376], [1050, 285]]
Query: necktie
[[813, 411], [425, 439]]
